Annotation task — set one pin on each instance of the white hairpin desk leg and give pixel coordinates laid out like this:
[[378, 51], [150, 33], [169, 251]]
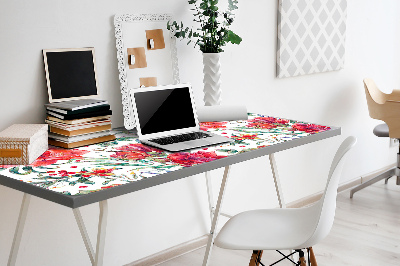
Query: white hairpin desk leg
[[215, 217], [85, 236], [277, 182], [101, 233], [210, 194], [95, 258], [19, 229], [278, 187]]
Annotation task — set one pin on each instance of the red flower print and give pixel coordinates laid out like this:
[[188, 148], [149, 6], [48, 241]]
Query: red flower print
[[102, 171], [129, 155], [63, 173], [244, 136], [309, 128], [110, 186], [188, 159], [210, 125], [4, 166], [248, 136], [83, 173], [138, 147], [51, 156], [134, 152], [267, 122]]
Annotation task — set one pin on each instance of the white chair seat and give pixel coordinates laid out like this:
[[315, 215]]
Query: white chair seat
[[275, 229], [269, 229]]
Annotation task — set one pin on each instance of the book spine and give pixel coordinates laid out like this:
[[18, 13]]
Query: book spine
[[80, 111], [55, 114], [78, 121], [70, 139], [79, 131], [81, 143], [71, 106], [84, 125], [89, 105], [61, 111], [80, 116]]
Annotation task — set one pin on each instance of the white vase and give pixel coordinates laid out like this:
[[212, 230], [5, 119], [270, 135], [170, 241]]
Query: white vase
[[211, 80]]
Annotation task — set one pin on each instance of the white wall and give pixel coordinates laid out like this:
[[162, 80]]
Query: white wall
[[146, 222]]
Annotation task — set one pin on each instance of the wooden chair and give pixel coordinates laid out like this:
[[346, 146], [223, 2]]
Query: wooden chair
[[385, 107], [287, 229]]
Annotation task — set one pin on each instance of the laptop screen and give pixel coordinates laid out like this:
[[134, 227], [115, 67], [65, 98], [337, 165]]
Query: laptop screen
[[164, 110]]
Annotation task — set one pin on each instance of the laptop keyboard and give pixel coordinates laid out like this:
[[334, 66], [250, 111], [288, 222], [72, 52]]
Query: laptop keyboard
[[180, 138]]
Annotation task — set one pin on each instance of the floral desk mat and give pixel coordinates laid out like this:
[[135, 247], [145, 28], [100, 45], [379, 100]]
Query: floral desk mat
[[100, 166]]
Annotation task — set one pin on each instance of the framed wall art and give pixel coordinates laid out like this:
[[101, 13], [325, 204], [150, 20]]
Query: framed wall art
[[146, 53], [311, 36]]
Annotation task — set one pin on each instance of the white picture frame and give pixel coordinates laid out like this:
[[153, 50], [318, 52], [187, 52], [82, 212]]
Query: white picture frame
[[90, 73], [163, 64]]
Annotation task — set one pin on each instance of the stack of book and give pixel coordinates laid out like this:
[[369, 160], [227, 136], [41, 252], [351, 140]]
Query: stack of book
[[78, 123]]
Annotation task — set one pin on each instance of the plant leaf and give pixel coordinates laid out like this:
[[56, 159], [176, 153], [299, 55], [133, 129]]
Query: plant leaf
[[233, 38], [214, 8], [204, 5]]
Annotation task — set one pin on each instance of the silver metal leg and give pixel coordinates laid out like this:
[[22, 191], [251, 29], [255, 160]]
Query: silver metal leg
[[19, 230], [216, 217], [85, 236], [386, 175], [278, 187], [101, 233], [210, 194], [277, 182], [95, 258]]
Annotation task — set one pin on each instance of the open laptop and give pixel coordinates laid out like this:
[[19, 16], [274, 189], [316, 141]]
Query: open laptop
[[166, 118]]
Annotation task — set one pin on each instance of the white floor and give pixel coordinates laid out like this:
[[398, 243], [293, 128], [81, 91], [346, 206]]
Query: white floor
[[366, 232]]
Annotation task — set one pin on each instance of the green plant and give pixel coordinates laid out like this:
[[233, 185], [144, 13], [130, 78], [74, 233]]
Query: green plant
[[214, 31]]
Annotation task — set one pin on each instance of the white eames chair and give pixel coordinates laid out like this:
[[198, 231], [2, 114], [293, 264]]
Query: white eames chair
[[287, 229]]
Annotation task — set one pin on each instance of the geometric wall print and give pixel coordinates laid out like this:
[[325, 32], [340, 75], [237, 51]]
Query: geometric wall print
[[311, 36]]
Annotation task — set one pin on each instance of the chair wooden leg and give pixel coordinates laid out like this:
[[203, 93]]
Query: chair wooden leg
[[313, 260], [255, 258]]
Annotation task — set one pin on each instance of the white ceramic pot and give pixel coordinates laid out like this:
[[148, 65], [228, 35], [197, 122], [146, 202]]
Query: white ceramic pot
[[212, 75]]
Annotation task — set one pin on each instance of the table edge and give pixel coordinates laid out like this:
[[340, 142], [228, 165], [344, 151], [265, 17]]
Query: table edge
[[82, 200]]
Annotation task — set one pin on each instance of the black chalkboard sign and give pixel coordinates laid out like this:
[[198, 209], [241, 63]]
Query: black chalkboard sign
[[70, 74]]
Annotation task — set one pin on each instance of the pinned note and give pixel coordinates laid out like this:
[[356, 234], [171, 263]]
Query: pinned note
[[155, 39], [137, 58], [148, 82]]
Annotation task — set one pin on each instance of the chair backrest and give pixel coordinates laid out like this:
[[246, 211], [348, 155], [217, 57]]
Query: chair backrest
[[382, 106], [373, 98], [327, 203]]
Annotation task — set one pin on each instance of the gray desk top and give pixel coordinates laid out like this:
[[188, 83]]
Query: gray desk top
[[90, 174]]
